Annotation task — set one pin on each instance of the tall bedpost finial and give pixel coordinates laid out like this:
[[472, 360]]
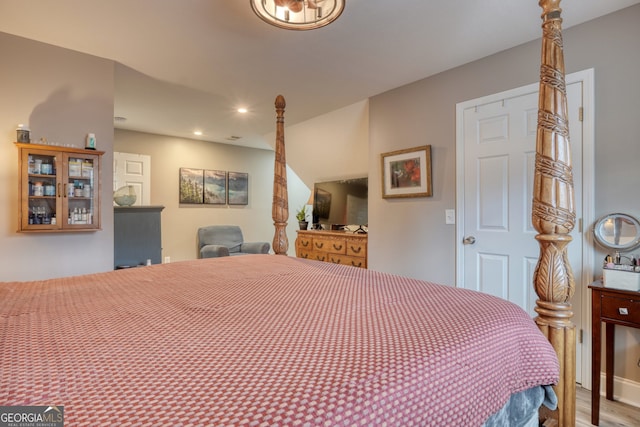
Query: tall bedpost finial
[[553, 213], [280, 205]]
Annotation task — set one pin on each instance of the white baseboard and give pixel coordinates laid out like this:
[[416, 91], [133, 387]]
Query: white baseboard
[[624, 390]]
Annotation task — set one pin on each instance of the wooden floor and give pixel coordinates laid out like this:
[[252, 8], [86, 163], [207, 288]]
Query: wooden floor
[[612, 414]]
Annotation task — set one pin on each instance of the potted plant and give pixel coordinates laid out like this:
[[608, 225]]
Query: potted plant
[[301, 216]]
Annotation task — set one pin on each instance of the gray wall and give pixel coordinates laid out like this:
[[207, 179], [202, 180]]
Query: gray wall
[[62, 95], [409, 236]]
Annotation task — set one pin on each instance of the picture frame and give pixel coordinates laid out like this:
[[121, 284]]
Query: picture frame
[[215, 187], [407, 173], [191, 186], [237, 188]]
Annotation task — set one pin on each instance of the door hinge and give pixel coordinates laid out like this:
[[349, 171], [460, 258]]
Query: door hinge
[[579, 225], [580, 113], [580, 333]]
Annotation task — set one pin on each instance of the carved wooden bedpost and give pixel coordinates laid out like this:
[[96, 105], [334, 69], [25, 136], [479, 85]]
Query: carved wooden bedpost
[[280, 206], [554, 214]]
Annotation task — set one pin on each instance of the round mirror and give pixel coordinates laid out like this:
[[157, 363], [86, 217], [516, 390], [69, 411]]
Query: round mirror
[[617, 231]]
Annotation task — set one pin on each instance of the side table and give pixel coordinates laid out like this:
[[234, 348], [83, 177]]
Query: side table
[[613, 307]]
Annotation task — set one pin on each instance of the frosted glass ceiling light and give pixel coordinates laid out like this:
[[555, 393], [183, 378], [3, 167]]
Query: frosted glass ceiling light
[[298, 14]]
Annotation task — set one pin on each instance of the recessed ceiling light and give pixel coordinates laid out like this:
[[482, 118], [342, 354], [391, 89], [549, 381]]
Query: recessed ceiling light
[[242, 110], [197, 132]]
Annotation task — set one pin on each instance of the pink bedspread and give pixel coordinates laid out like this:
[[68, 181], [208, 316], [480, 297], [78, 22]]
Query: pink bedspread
[[264, 340]]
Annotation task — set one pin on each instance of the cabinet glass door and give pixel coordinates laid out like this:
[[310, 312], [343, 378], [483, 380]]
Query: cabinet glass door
[[42, 188], [80, 190]]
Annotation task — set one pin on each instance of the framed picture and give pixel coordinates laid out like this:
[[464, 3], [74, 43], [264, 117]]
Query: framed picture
[[191, 185], [215, 187], [407, 173], [238, 188]]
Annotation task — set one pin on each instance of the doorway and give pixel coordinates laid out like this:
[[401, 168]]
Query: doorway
[[135, 170], [496, 250]]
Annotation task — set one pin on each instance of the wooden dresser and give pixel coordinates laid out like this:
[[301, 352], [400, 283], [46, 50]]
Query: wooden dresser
[[338, 247]]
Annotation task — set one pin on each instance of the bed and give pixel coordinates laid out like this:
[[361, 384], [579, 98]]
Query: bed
[[265, 340]]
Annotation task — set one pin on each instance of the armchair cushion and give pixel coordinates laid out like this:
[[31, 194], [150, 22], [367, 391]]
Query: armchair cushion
[[225, 240], [213, 251]]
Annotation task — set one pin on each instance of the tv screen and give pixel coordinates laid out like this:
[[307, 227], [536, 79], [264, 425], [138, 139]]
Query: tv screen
[[339, 203]]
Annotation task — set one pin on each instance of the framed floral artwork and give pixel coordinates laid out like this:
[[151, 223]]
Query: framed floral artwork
[[407, 173]]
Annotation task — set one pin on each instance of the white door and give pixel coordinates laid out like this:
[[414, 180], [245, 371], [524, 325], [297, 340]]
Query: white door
[[135, 170], [497, 250]]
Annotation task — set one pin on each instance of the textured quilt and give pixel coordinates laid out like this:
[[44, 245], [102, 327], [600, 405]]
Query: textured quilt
[[262, 340]]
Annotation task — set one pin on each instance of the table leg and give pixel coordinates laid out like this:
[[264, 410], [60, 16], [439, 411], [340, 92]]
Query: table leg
[[596, 342], [610, 344]]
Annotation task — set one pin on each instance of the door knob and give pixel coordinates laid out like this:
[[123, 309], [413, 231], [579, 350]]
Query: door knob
[[469, 240]]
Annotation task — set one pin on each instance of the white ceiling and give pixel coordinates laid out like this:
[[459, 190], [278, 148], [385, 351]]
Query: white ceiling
[[188, 64]]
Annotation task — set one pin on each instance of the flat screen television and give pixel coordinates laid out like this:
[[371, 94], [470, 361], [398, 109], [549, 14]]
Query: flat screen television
[[340, 203]]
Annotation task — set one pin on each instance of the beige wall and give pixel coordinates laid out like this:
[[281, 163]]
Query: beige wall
[[180, 222], [331, 146], [62, 95]]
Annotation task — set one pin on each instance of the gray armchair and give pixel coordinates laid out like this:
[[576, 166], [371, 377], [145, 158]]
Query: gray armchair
[[224, 240]]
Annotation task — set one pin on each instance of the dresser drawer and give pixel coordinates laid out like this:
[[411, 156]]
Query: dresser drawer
[[357, 248], [346, 260], [335, 246], [621, 309], [304, 242], [304, 253]]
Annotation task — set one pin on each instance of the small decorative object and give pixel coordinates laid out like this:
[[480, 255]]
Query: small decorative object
[[407, 173], [301, 216], [91, 142], [23, 134], [125, 196]]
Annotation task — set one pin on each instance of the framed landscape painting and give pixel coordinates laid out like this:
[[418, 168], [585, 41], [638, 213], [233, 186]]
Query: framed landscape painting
[[238, 188], [407, 173], [215, 187], [191, 185]]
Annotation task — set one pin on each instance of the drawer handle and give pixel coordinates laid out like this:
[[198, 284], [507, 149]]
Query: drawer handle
[[319, 245], [319, 258], [356, 250], [624, 311], [336, 261], [356, 265], [337, 248], [304, 255], [304, 243]]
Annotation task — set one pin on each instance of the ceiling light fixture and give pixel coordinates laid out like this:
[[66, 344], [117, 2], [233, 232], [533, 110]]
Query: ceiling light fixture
[[298, 14], [197, 132], [242, 110]]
